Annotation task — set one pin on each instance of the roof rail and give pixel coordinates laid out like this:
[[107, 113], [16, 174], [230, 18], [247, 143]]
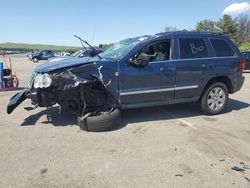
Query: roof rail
[[189, 32]]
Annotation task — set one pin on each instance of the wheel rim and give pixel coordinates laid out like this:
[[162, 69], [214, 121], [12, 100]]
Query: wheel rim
[[216, 99]]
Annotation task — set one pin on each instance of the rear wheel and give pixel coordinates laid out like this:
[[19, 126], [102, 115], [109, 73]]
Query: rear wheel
[[102, 122], [214, 99]]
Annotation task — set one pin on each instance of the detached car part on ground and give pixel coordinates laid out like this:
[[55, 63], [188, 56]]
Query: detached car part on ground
[[161, 69]]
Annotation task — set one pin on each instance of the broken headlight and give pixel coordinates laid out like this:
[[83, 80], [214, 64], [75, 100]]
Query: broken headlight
[[42, 81]]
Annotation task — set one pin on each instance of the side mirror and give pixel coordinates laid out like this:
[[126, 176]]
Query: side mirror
[[140, 60]]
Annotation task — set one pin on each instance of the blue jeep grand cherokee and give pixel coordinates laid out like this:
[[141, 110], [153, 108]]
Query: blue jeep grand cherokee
[[159, 69]]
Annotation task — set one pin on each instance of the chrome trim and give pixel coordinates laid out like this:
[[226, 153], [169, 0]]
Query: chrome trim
[[186, 87], [122, 93], [193, 59], [204, 58], [145, 91]]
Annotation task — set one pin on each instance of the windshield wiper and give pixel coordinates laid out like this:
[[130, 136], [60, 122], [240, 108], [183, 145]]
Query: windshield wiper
[[96, 53]]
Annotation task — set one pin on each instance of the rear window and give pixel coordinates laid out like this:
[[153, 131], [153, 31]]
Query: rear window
[[192, 48], [222, 48]]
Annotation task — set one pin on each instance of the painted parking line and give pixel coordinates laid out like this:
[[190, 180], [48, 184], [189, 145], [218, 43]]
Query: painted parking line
[[181, 120]]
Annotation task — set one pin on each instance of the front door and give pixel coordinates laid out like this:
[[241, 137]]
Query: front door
[[152, 82]]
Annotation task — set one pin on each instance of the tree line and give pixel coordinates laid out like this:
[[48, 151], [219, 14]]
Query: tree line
[[35, 47], [238, 29]]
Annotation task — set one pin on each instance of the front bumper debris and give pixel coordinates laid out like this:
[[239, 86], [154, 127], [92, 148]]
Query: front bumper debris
[[80, 90], [16, 100]]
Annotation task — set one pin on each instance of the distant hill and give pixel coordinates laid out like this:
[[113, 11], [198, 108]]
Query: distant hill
[[35, 47]]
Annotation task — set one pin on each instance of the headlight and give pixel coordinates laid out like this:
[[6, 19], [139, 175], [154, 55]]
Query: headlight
[[42, 81]]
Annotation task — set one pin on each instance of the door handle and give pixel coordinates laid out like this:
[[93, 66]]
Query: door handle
[[163, 69], [167, 68], [208, 66]]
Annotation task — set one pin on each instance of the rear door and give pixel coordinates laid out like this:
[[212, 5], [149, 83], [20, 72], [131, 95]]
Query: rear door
[[193, 66], [153, 82]]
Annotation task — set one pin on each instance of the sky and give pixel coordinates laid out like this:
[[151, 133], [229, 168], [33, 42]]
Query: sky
[[104, 21]]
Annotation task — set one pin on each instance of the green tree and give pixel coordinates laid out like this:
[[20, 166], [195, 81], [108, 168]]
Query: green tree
[[243, 33], [228, 26], [208, 26]]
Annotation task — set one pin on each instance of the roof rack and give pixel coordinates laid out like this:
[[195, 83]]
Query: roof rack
[[188, 32]]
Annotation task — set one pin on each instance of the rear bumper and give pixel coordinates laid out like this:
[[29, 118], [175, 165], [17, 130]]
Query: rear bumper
[[238, 83]]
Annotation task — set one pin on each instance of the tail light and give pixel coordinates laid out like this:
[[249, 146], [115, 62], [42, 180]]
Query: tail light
[[242, 65]]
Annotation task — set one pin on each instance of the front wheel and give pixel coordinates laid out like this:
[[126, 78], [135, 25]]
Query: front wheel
[[102, 122], [214, 99], [35, 59]]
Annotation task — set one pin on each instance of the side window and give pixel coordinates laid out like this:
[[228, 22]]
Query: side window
[[192, 48], [222, 48], [158, 51]]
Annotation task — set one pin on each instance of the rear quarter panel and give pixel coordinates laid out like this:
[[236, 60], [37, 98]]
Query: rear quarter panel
[[225, 66]]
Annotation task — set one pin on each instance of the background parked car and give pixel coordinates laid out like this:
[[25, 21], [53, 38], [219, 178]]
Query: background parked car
[[42, 55], [247, 56], [78, 54], [30, 54], [59, 54]]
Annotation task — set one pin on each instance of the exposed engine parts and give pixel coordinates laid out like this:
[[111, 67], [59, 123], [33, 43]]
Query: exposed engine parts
[[77, 93]]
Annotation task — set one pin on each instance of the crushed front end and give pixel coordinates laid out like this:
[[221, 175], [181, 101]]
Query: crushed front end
[[80, 90]]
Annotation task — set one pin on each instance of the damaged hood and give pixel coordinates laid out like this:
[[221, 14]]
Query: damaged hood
[[60, 58], [103, 71], [52, 66]]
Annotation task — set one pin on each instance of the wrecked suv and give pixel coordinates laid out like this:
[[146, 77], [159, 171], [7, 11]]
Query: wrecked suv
[[160, 69]]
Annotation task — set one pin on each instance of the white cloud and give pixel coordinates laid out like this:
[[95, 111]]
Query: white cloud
[[237, 8]]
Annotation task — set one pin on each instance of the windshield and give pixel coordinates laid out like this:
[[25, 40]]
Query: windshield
[[120, 49], [77, 53]]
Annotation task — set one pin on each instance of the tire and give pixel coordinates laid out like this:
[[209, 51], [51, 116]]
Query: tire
[[214, 98], [101, 123], [35, 60]]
